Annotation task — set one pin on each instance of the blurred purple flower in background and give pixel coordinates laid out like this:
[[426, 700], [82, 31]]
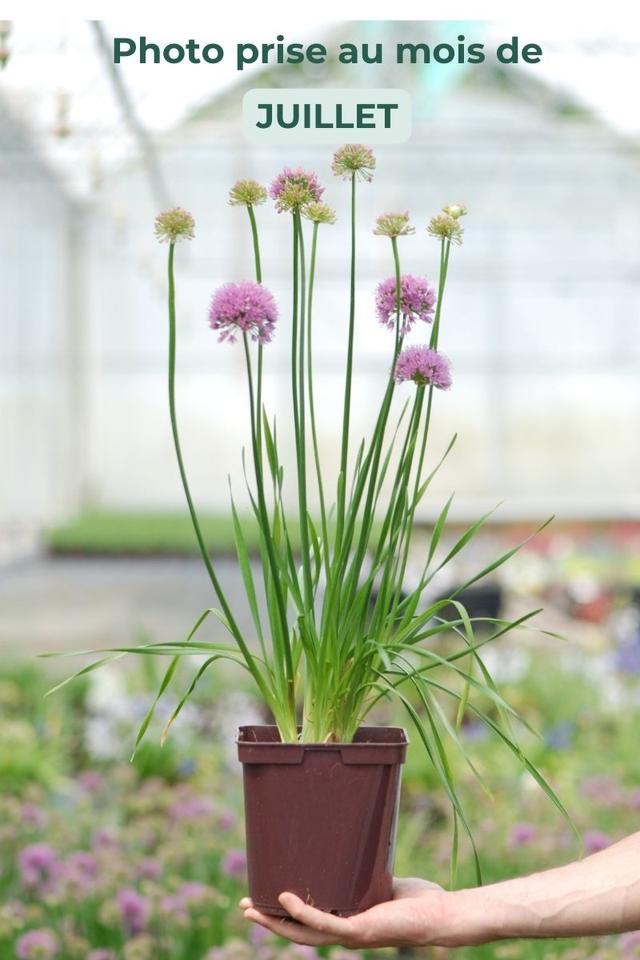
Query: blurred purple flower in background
[[149, 869], [522, 834], [190, 806], [101, 954], [80, 867], [596, 840], [33, 816], [234, 863], [37, 945], [36, 863], [134, 910]]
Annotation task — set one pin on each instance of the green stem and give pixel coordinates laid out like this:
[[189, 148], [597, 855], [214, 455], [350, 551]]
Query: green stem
[[258, 266], [346, 415], [256, 242], [302, 445], [312, 413], [183, 473], [445, 249], [267, 536]]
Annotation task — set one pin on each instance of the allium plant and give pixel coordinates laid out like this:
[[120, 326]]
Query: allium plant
[[342, 631]]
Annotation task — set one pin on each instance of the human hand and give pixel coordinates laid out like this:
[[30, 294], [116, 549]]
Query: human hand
[[414, 917]]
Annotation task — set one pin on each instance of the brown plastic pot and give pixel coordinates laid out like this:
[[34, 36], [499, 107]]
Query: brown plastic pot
[[321, 817]]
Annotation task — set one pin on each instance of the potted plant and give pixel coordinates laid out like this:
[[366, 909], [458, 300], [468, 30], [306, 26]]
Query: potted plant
[[341, 631]]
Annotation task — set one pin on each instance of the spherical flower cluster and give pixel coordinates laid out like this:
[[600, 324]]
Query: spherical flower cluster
[[37, 945], [319, 212], [455, 210], [173, 225], [445, 227], [425, 366], [134, 909], [417, 300], [293, 189], [393, 225], [247, 193], [234, 863], [354, 158], [36, 862], [246, 307]]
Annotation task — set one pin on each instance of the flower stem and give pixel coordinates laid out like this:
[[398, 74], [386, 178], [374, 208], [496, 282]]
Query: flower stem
[[258, 267], [233, 627], [312, 413], [268, 539], [302, 445], [346, 415]]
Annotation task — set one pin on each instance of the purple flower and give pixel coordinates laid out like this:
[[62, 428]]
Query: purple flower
[[91, 780], [294, 189], [258, 935], [522, 834], [596, 840], [104, 839], [81, 868], [37, 945], [227, 820], [630, 941], [36, 862], [33, 816], [193, 893], [300, 951], [101, 954], [191, 808], [417, 300], [134, 910], [149, 869], [234, 863], [246, 307], [603, 791], [424, 366]]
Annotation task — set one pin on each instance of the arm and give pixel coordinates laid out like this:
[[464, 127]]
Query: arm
[[596, 896]]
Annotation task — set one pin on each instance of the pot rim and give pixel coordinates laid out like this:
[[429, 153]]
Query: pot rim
[[396, 737]]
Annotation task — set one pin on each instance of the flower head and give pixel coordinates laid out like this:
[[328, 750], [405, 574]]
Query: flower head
[[234, 863], [37, 862], [455, 210], [319, 212], [293, 189], [417, 300], [247, 193], [423, 365], [445, 227], [173, 225], [134, 910], [522, 834], [37, 945], [393, 225], [354, 158], [596, 840], [246, 307]]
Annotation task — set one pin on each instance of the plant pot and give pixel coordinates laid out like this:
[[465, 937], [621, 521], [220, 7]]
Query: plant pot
[[321, 817]]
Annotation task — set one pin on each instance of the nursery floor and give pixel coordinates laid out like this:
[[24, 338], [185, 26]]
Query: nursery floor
[[52, 603]]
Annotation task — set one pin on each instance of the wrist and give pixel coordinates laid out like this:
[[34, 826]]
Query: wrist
[[478, 915]]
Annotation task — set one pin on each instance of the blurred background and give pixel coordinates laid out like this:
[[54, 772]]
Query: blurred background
[[542, 328]]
